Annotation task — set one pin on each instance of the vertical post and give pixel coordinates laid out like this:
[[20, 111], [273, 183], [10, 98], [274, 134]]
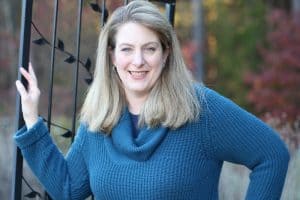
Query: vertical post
[[75, 83], [198, 38], [296, 6], [54, 30], [296, 10], [104, 13], [24, 52], [50, 94], [170, 12]]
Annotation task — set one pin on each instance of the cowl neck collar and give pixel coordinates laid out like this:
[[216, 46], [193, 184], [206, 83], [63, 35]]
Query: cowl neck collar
[[123, 144]]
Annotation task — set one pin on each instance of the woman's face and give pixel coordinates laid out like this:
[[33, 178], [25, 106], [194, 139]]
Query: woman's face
[[138, 57]]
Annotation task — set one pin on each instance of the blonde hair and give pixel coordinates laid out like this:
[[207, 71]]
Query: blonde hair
[[172, 102]]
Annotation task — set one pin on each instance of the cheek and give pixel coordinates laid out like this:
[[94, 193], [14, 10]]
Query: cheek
[[157, 64], [157, 69], [121, 61], [122, 73]]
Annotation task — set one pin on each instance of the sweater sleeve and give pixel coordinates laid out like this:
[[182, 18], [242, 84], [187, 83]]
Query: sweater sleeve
[[63, 178], [239, 137]]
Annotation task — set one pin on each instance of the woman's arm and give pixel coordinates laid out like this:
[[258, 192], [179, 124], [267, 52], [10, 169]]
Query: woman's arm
[[63, 178], [239, 137]]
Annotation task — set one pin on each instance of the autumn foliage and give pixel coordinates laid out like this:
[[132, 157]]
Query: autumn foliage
[[275, 89]]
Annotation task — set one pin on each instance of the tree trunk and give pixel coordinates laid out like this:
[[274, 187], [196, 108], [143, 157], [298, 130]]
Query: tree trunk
[[296, 6], [198, 38]]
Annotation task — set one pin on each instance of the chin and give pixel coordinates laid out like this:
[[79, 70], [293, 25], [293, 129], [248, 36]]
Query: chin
[[140, 90]]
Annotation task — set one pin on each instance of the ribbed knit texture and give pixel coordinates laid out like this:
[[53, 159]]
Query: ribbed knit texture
[[161, 164]]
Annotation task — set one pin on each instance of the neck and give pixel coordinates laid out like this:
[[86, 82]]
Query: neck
[[135, 102]]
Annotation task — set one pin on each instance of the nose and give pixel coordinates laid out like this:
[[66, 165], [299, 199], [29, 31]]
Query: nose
[[138, 59]]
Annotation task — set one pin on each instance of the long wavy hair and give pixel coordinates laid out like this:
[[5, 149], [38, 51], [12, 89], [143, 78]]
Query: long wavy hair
[[172, 101]]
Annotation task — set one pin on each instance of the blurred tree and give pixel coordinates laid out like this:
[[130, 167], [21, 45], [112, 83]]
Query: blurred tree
[[234, 28], [183, 27], [275, 87]]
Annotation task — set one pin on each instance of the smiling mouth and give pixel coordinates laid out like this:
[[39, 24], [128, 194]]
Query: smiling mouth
[[138, 74]]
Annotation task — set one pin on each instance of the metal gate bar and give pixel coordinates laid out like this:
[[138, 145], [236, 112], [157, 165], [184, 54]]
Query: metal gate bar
[[54, 31], [75, 75], [23, 61]]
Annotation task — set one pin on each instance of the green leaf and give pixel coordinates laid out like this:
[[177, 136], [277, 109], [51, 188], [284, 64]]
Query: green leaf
[[33, 194], [40, 41], [67, 134], [61, 45], [70, 59], [88, 64], [88, 81], [95, 7]]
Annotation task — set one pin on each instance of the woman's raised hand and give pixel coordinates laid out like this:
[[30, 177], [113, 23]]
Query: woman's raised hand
[[29, 97]]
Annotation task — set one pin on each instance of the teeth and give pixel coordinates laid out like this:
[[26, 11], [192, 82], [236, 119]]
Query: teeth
[[137, 72]]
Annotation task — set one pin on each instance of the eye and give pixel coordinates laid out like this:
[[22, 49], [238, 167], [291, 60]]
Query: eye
[[126, 49], [151, 49]]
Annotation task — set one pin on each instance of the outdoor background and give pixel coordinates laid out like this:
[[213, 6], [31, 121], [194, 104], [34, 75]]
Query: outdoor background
[[248, 51]]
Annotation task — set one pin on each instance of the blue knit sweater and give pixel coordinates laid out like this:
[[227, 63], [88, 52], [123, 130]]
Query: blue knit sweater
[[160, 164]]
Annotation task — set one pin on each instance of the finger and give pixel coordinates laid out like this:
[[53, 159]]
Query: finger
[[21, 89], [32, 73], [25, 73], [27, 76]]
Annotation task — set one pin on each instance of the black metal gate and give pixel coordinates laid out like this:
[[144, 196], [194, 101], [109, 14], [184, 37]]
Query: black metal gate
[[55, 44]]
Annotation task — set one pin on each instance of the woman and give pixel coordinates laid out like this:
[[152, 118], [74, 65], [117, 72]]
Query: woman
[[147, 130]]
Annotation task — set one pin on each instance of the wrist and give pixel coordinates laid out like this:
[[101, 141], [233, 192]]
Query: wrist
[[31, 122]]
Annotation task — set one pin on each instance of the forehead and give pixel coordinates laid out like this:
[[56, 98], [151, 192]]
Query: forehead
[[134, 33]]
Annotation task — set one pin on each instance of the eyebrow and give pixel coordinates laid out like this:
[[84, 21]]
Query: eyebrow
[[146, 44]]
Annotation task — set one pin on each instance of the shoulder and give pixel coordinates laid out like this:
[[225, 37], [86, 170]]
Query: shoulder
[[234, 133], [205, 93], [221, 111], [212, 101]]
